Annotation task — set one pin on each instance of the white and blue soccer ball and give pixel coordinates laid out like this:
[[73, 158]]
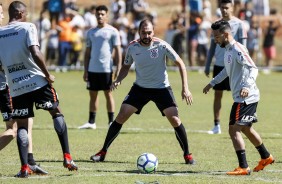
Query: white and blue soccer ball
[[147, 163]]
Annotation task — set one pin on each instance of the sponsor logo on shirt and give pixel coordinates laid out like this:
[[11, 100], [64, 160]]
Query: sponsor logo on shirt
[[16, 67], [8, 35], [21, 78]]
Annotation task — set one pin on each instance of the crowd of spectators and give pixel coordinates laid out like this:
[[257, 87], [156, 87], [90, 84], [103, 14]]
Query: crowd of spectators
[[63, 25]]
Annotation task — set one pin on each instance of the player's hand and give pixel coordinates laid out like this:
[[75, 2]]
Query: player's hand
[[50, 79], [85, 76], [207, 72], [244, 93], [207, 88], [187, 96], [114, 85]]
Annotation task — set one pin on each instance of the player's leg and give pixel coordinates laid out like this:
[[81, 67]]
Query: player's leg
[[125, 112], [216, 111], [35, 169], [62, 132], [171, 114], [235, 127], [266, 157], [110, 105], [22, 142], [9, 134]]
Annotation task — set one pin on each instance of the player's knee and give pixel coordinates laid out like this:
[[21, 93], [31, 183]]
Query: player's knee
[[59, 123], [22, 136]]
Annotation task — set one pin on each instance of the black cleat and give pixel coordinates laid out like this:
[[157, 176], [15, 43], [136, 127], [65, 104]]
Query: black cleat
[[98, 157], [69, 163], [36, 169]]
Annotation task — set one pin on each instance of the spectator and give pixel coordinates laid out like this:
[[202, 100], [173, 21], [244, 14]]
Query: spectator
[[56, 8], [274, 22]]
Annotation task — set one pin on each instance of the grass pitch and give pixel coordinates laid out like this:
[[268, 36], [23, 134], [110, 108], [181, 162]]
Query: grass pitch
[[149, 132]]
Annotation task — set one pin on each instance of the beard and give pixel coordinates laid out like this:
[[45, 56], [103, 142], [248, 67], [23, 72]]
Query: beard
[[146, 41], [222, 45]]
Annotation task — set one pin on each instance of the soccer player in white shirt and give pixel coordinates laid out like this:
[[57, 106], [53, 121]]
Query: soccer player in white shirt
[[29, 82], [242, 73], [149, 55]]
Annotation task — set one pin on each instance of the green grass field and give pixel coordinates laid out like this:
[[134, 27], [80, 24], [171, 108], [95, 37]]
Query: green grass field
[[149, 132]]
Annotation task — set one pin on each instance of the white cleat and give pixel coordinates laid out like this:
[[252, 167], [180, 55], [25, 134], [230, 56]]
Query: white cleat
[[88, 126], [216, 130]]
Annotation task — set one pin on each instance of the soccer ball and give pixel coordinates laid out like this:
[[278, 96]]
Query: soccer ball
[[147, 163]]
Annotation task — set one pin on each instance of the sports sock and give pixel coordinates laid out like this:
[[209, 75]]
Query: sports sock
[[113, 132], [241, 154], [216, 122], [22, 142], [30, 159], [92, 116], [62, 132], [263, 151], [181, 136], [111, 116]]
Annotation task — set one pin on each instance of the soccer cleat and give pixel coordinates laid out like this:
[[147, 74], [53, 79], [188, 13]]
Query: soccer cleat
[[240, 171], [189, 159], [216, 130], [36, 169], [24, 172], [88, 126], [69, 163], [98, 157], [264, 162]]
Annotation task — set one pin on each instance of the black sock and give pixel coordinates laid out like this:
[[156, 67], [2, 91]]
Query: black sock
[[111, 116], [22, 142], [92, 116], [263, 151], [113, 132], [62, 132], [216, 122], [181, 136], [241, 154], [30, 159]]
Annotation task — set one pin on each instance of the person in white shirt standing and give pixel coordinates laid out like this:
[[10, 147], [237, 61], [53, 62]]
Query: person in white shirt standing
[[242, 73]]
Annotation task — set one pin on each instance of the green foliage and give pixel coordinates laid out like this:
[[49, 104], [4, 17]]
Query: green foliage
[[149, 132]]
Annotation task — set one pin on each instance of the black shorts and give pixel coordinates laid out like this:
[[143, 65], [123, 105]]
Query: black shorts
[[99, 81], [224, 85], [243, 114], [138, 97], [44, 98], [6, 104]]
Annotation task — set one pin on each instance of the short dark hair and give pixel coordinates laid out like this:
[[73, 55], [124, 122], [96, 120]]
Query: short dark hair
[[143, 22], [221, 25], [226, 1], [14, 7], [102, 8]]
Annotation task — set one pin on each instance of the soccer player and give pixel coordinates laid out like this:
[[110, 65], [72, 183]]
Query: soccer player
[[11, 127], [239, 34], [149, 54], [101, 43], [29, 82], [242, 73]]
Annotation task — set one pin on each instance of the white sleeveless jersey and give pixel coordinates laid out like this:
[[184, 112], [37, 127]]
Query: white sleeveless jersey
[[22, 73], [102, 41], [150, 62]]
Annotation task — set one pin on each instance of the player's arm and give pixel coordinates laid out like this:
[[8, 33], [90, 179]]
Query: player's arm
[[122, 74], [86, 63], [117, 59], [186, 94], [249, 73], [209, 57], [39, 60], [217, 79]]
